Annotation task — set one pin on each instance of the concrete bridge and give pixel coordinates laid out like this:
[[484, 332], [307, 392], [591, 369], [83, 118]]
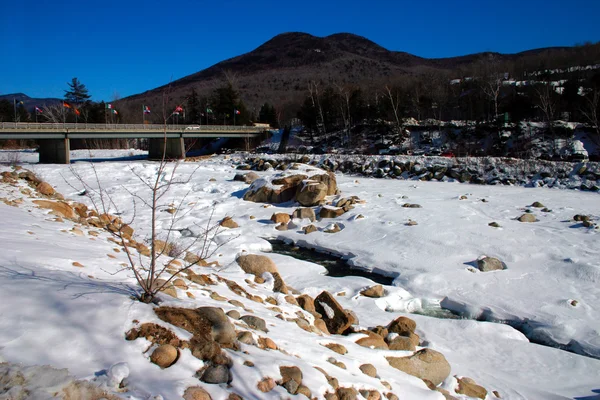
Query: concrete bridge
[[54, 138]]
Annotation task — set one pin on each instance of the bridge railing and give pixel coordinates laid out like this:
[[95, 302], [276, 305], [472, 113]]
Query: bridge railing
[[49, 126]]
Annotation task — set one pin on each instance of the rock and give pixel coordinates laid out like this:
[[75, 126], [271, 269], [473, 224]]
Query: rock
[[372, 341], [468, 387], [537, 204], [332, 228], [233, 314], [45, 189], [227, 222], [305, 391], [403, 326], [256, 264], [278, 284], [424, 364], [527, 218], [255, 322], [346, 393], [282, 227], [280, 218], [291, 378], [266, 385], [321, 325], [309, 229], [164, 355], [311, 193], [58, 207], [335, 317], [486, 264], [222, 329], [374, 291], [408, 205], [336, 347], [494, 224], [330, 212], [337, 363], [246, 337], [329, 180], [581, 218], [411, 223], [247, 177], [196, 393], [305, 213], [404, 343], [180, 283], [215, 374], [370, 394], [266, 343], [369, 370], [290, 180], [306, 302]]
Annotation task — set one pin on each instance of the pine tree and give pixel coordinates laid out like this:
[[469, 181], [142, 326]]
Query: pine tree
[[77, 94], [193, 107]]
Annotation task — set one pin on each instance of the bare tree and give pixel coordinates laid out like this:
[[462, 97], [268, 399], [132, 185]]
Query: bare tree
[[344, 104], [546, 100], [591, 111], [394, 96], [490, 79], [150, 271], [313, 90], [56, 113]]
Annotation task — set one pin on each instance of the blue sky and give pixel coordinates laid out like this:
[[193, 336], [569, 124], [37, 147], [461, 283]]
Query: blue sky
[[127, 47]]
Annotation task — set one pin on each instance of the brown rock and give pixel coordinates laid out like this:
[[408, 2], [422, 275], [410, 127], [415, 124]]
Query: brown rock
[[336, 318], [306, 302], [305, 213], [373, 291], [403, 326], [330, 212], [58, 207], [196, 393], [527, 217], [336, 347], [280, 218], [424, 364], [180, 283], [329, 180], [266, 343], [311, 193], [468, 387], [227, 222], [370, 394], [321, 325], [404, 343], [486, 264], [266, 385], [164, 356], [346, 393], [45, 189], [309, 229], [372, 341], [369, 370], [256, 264]]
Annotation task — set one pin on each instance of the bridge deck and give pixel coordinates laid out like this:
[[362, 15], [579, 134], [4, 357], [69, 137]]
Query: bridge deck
[[23, 130]]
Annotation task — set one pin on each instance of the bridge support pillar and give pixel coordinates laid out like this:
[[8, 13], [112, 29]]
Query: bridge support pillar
[[175, 148], [54, 151]]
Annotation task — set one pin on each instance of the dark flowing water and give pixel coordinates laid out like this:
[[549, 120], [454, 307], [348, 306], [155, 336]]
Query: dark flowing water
[[336, 267]]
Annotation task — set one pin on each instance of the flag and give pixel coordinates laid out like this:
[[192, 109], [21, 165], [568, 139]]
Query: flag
[[109, 106], [179, 109], [18, 101], [65, 104], [115, 112], [208, 110], [77, 111], [237, 112], [38, 110], [175, 112], [146, 109]]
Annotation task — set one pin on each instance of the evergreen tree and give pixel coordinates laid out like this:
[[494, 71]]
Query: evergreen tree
[[78, 93], [268, 115]]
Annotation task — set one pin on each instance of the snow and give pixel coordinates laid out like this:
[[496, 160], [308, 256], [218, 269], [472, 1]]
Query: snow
[[54, 313]]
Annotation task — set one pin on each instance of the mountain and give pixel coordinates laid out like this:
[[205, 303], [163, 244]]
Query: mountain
[[30, 102], [279, 70]]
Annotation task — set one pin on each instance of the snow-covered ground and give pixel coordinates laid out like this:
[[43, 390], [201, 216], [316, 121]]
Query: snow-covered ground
[[66, 316]]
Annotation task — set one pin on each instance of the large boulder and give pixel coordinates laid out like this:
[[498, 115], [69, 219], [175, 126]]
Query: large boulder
[[403, 326], [311, 193], [247, 177], [164, 356], [336, 318], [256, 264], [59, 208], [329, 180], [424, 364], [261, 191], [527, 217]]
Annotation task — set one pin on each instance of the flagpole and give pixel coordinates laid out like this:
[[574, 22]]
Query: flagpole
[[234, 111], [15, 104]]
